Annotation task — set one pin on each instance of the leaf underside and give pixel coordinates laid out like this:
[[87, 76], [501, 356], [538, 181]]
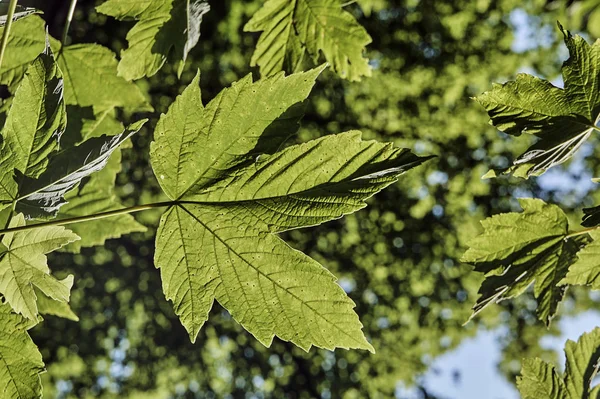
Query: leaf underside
[[517, 250], [562, 119], [217, 242], [297, 31], [541, 380], [163, 26]]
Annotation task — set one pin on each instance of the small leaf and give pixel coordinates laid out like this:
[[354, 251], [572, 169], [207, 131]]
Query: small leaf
[[586, 271], [49, 306], [563, 119], [24, 266], [518, 249], [42, 197], [91, 80], [20, 360], [162, 25], [540, 380], [294, 30]]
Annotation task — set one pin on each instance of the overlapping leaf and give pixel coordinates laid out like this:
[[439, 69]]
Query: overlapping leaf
[[91, 80], [162, 25], [586, 270], [23, 266], [25, 43], [34, 124], [217, 241], [520, 249], [20, 361], [562, 119], [541, 380], [296, 31], [97, 194], [20, 12], [43, 196]]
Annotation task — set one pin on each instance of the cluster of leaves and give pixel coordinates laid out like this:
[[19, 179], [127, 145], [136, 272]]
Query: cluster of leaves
[[217, 238], [536, 247]]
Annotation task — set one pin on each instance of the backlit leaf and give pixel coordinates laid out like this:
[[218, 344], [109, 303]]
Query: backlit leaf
[[20, 361], [562, 119], [517, 250], [23, 266], [163, 26], [541, 380], [217, 242], [295, 31]]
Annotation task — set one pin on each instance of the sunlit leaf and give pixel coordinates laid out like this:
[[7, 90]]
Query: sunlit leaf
[[20, 360], [35, 122], [163, 26], [91, 79], [217, 242], [295, 31], [23, 266], [540, 380], [562, 119], [517, 250]]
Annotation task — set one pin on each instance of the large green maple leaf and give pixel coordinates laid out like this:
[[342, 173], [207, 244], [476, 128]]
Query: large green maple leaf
[[217, 241], [517, 250], [162, 25], [541, 380], [562, 118], [295, 31], [20, 360]]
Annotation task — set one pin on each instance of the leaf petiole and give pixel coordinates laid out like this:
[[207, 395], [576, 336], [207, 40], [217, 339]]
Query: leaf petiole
[[581, 232], [87, 218]]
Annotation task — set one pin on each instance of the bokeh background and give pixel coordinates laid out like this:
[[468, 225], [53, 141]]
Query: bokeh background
[[398, 259]]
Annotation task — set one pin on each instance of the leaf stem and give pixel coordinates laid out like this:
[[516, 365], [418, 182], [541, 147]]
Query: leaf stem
[[65, 34], [9, 19], [87, 218], [581, 232]]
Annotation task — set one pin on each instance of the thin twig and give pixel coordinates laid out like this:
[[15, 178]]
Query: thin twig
[[65, 34], [9, 20]]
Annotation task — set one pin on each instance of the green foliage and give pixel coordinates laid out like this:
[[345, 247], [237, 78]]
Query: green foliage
[[91, 80], [36, 120], [216, 241], [25, 43], [518, 249], [562, 119], [23, 266], [233, 184], [162, 25], [297, 31], [21, 360], [541, 380]]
